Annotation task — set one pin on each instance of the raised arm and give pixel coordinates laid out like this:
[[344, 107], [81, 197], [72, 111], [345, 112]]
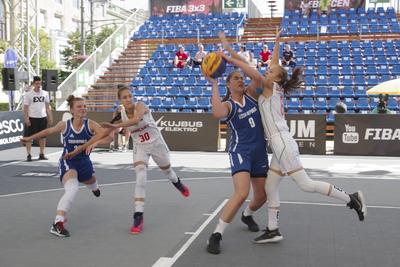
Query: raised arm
[[228, 48], [219, 109], [277, 48]]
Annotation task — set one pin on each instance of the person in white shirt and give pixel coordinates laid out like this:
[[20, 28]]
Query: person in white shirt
[[244, 54], [37, 115], [198, 58], [305, 7]]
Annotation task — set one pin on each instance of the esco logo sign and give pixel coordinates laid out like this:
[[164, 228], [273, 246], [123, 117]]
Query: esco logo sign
[[11, 126]]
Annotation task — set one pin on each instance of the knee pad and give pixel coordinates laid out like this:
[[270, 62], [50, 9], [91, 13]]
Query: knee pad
[[303, 181], [71, 189], [141, 179]]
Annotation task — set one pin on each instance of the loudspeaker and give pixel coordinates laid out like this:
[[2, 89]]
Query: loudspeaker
[[9, 81], [49, 80]]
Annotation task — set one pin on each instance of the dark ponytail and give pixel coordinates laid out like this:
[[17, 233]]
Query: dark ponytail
[[228, 92], [292, 84]]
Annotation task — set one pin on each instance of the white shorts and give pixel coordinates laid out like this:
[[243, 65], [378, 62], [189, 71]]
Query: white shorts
[[157, 149], [286, 155]]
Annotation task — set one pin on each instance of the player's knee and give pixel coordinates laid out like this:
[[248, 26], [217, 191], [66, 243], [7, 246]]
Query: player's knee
[[241, 196], [307, 186]]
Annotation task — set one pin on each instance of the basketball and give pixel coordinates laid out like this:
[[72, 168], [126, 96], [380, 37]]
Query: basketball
[[213, 65]]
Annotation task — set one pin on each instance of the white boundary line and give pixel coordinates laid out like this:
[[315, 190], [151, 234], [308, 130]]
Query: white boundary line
[[23, 161], [114, 184], [167, 262]]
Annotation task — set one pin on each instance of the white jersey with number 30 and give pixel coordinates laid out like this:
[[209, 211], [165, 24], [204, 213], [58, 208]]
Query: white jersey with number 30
[[145, 131], [272, 112]]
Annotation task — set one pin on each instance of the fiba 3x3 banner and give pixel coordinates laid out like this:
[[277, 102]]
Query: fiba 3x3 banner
[[367, 134], [161, 7], [338, 4]]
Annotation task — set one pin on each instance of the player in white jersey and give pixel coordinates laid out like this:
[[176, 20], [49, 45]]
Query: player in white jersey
[[286, 156], [147, 142]]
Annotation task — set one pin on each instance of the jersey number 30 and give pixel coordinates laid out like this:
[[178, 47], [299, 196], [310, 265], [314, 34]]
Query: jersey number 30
[[252, 123], [144, 137]]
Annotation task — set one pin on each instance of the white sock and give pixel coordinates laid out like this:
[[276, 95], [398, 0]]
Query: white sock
[[59, 218], [248, 211], [93, 187], [221, 227], [171, 175], [339, 193], [273, 218], [139, 206]]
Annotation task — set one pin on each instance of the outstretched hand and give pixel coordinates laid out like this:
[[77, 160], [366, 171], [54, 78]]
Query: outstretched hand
[[278, 32], [222, 37]]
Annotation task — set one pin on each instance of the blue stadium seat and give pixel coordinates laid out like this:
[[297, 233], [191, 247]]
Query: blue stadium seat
[[294, 103], [363, 104], [320, 104]]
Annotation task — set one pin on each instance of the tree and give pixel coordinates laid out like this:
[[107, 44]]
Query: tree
[[72, 55]]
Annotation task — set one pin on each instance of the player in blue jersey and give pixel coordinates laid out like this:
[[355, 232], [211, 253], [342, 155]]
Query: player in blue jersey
[[247, 150], [76, 131]]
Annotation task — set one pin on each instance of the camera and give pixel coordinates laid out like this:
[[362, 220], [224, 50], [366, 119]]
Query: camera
[[382, 103]]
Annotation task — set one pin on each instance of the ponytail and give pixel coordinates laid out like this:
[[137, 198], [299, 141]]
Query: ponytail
[[292, 84]]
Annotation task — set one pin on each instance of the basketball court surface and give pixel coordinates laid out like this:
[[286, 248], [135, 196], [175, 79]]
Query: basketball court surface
[[317, 231]]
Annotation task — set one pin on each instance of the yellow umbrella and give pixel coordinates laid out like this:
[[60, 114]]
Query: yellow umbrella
[[391, 87]]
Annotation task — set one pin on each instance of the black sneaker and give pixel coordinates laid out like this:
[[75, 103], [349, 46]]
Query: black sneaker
[[251, 224], [357, 202], [59, 230], [213, 246], [182, 188], [273, 236], [29, 157], [96, 192], [42, 157]]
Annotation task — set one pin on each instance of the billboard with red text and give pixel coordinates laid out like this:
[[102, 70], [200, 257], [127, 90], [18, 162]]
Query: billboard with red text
[[338, 4], [161, 7]]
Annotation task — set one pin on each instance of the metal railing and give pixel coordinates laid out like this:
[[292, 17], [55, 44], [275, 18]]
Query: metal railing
[[78, 82]]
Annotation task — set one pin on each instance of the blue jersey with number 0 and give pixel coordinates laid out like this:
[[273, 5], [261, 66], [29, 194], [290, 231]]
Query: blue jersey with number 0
[[245, 123]]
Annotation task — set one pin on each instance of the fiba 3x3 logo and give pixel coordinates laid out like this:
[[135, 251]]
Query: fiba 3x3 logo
[[350, 136]]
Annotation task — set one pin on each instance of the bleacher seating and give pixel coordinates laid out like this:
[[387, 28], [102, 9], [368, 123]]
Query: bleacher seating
[[189, 26], [341, 22], [334, 70], [338, 76]]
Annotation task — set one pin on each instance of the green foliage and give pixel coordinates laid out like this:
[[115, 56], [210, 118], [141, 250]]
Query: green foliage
[[72, 55], [3, 46], [3, 106]]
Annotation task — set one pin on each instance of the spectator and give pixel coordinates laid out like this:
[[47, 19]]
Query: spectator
[[288, 57], [253, 61], [244, 54], [198, 58], [181, 58], [220, 47], [36, 111], [381, 108], [305, 7], [324, 7], [265, 57]]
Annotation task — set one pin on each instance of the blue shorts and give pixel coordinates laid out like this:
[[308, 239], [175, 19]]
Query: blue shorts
[[253, 160], [83, 166]]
